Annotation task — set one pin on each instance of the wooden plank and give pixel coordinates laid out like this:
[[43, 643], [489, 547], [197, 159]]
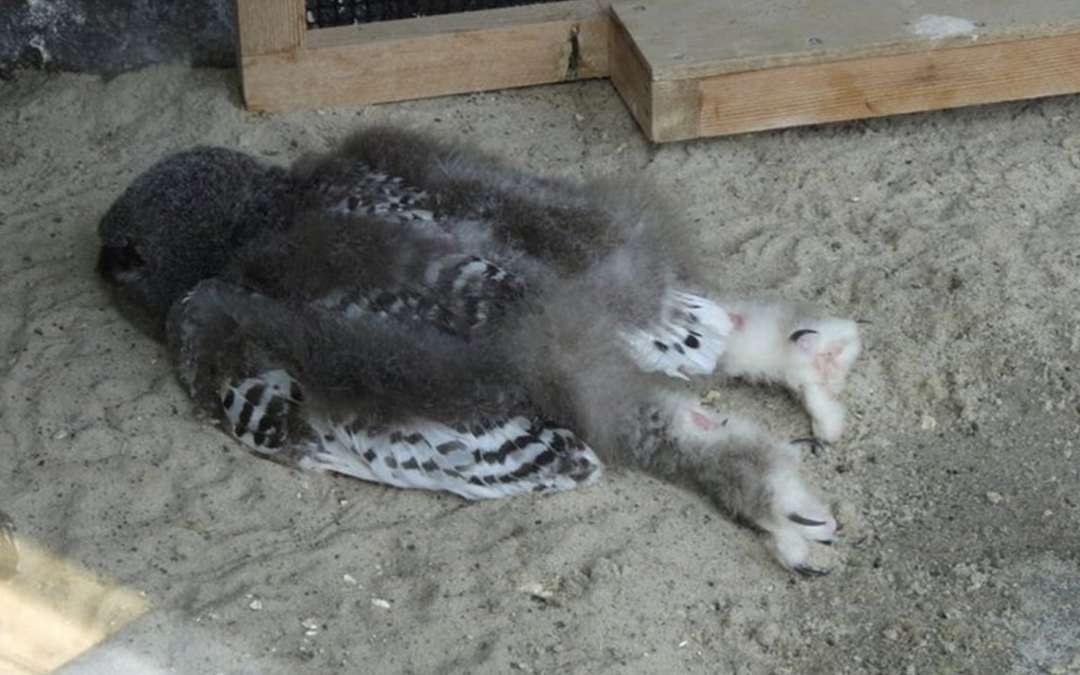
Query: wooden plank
[[442, 24], [686, 68], [432, 56], [690, 68], [685, 39], [270, 26], [53, 610], [887, 85], [630, 74], [664, 110]]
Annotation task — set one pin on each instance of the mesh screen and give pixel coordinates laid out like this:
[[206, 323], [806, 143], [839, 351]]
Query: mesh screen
[[326, 13]]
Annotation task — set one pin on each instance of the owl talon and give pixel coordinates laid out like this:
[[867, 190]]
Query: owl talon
[[800, 520], [810, 572], [817, 444]]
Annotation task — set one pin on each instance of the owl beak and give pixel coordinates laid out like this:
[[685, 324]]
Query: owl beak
[[120, 265]]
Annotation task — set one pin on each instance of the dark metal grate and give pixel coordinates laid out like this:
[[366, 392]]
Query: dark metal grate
[[326, 13]]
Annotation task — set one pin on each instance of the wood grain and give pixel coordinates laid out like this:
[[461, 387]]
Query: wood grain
[[630, 74], [684, 39], [435, 56], [270, 26], [932, 80], [686, 68]]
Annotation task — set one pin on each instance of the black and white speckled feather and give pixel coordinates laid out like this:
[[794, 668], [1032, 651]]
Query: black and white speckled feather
[[504, 457], [358, 189], [495, 457], [687, 338], [367, 396]]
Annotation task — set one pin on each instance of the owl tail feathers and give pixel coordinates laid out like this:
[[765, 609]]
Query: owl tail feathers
[[498, 459], [687, 339]]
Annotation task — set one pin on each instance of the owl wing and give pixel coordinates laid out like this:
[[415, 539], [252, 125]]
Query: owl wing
[[557, 225], [366, 397], [442, 285], [456, 293], [688, 338], [348, 186]]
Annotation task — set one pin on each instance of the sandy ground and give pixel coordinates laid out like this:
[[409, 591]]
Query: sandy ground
[[955, 234]]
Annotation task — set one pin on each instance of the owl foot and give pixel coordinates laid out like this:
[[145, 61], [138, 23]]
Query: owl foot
[[796, 345], [754, 479], [806, 522], [822, 358], [792, 516]]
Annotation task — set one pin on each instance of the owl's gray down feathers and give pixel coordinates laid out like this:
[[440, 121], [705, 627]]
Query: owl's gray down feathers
[[182, 221], [583, 262], [407, 311], [594, 258]]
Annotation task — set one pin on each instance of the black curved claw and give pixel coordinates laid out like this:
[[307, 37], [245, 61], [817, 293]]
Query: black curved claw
[[796, 518], [809, 572], [817, 446]]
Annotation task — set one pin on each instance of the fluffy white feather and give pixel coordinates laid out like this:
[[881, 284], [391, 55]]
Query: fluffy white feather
[[796, 345]]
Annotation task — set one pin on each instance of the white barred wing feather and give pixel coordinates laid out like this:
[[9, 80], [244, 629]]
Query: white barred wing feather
[[688, 338], [508, 457], [495, 459]]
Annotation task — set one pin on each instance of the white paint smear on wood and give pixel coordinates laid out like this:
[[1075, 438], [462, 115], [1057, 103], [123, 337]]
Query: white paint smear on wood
[[934, 25]]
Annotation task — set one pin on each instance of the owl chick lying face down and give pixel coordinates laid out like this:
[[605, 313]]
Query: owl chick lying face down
[[413, 313]]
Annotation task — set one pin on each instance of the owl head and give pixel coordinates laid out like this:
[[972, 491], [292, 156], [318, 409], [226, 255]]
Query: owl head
[[182, 221]]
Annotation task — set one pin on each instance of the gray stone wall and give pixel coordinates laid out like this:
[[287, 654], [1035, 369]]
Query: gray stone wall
[[112, 36]]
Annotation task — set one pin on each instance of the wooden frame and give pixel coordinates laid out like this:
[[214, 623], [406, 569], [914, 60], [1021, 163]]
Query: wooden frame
[[686, 68], [690, 69], [285, 66]]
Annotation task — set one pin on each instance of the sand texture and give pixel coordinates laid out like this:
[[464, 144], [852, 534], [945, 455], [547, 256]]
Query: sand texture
[[955, 235]]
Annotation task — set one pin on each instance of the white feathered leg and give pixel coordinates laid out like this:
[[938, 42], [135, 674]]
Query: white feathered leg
[[752, 477], [796, 345]]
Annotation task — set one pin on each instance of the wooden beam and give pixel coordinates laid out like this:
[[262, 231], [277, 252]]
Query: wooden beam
[[872, 87], [686, 68], [432, 56], [270, 26], [690, 68], [265, 27], [53, 610], [630, 74]]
